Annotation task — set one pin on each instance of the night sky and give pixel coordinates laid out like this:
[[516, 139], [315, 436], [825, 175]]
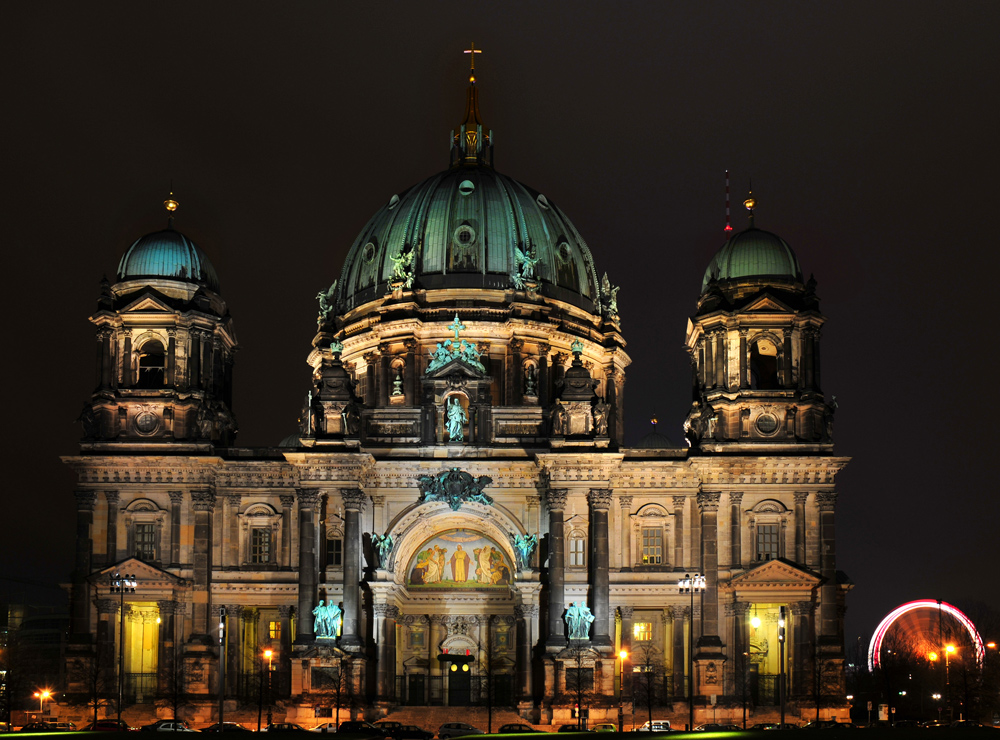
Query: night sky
[[869, 130]]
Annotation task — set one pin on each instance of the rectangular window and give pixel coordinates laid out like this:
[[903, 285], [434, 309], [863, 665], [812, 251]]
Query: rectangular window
[[577, 551], [652, 546], [767, 541], [642, 631], [324, 678], [334, 553], [145, 541], [260, 545], [274, 630], [579, 679]]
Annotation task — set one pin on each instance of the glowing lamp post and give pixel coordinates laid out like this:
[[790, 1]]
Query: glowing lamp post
[[622, 657], [269, 654], [781, 663], [690, 584], [948, 650], [42, 695], [121, 585]]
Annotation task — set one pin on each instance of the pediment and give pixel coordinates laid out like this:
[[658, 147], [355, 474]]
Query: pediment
[[148, 302], [147, 575], [454, 367], [775, 575], [766, 303]]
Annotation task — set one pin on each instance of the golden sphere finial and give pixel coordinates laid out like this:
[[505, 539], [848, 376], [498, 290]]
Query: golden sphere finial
[[170, 204], [750, 203]]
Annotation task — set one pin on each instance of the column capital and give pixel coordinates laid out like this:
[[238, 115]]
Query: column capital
[[354, 499], [167, 608], [112, 497], [625, 502], [626, 611], [555, 498], [740, 608], [544, 349], [736, 497], [233, 498], [436, 619], [802, 608], [203, 500], [284, 611], [827, 500], [801, 497], [599, 498], [709, 501], [515, 344], [681, 612], [107, 606], [176, 497], [308, 497], [679, 501], [85, 500], [287, 500], [410, 344]]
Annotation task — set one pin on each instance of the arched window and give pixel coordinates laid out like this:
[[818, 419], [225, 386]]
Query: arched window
[[768, 520], [764, 365], [152, 365]]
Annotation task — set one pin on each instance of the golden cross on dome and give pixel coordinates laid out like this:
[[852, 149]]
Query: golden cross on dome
[[472, 51]]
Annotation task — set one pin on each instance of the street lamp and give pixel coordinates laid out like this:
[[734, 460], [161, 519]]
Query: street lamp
[[42, 695], [269, 654], [121, 585], [948, 650], [690, 584], [622, 656], [781, 663]]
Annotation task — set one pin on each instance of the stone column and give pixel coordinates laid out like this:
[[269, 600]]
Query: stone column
[[80, 624], [287, 500], [410, 372], [203, 503], [435, 636], [107, 611], [526, 614], [515, 379], [720, 360], [194, 360], [828, 626], [800, 526], [385, 616], [682, 617], [127, 358], [625, 551], [678, 502], [556, 500], [308, 505], [371, 378], [284, 658], [802, 649], [171, 357], [169, 677], [231, 558], [600, 502], [354, 505], [176, 499], [708, 504], [786, 359], [111, 546], [735, 530], [744, 382], [806, 370], [626, 615], [107, 366], [384, 381], [543, 375], [709, 360]]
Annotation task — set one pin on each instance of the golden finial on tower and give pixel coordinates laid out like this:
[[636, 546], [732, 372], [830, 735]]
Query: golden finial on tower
[[472, 51], [170, 204], [750, 203]]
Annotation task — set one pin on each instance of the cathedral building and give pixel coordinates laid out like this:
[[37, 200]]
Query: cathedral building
[[458, 519]]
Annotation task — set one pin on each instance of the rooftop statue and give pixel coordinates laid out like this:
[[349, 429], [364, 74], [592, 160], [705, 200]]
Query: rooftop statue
[[383, 546], [456, 420], [578, 618], [609, 298], [402, 267], [525, 269], [454, 487], [326, 302], [525, 544], [328, 620], [458, 349]]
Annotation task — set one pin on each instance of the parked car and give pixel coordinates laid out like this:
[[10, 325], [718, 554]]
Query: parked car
[[284, 727], [399, 731], [167, 725], [226, 727], [828, 724], [359, 729], [42, 726], [325, 727], [457, 729], [110, 725], [573, 728], [515, 727], [716, 727], [657, 725], [604, 727], [967, 724]]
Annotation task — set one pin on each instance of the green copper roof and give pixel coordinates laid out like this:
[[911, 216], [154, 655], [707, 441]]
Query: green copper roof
[[167, 254], [753, 253], [465, 226]]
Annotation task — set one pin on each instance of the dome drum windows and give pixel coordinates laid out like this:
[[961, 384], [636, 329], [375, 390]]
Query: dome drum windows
[[152, 365]]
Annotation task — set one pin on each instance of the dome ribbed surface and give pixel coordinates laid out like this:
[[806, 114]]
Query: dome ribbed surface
[[167, 254], [655, 441], [753, 253], [464, 226]]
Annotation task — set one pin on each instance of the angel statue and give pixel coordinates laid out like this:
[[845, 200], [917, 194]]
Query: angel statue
[[402, 267], [609, 293], [525, 545], [525, 270], [383, 546], [326, 302]]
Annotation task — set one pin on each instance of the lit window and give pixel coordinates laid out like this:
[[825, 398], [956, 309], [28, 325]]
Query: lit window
[[334, 552], [652, 546], [642, 631], [145, 541], [767, 541], [577, 552], [260, 545], [274, 630]]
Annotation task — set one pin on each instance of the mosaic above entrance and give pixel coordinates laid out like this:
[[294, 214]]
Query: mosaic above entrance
[[459, 559]]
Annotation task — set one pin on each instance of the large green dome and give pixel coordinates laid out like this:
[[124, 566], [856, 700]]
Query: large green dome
[[167, 254], [753, 253], [465, 226]]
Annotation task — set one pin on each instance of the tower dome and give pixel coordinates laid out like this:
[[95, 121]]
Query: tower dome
[[753, 253], [470, 227], [167, 254]]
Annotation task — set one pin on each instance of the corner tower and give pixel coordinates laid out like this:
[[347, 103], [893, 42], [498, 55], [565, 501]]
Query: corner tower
[[165, 347], [754, 347]]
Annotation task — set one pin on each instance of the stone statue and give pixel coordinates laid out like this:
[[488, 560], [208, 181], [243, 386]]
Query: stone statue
[[205, 423], [609, 296], [525, 269], [601, 411], [352, 419], [454, 487], [530, 383], [525, 545], [383, 546], [328, 620], [326, 302], [456, 420], [578, 620], [89, 420], [559, 421], [402, 267]]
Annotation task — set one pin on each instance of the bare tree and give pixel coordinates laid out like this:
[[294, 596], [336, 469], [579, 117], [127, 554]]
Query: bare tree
[[94, 678], [580, 663], [647, 677], [333, 686]]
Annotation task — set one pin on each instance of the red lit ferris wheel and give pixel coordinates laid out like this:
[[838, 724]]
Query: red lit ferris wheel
[[925, 627]]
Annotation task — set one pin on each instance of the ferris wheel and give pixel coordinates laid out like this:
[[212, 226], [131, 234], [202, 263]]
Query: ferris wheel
[[925, 625]]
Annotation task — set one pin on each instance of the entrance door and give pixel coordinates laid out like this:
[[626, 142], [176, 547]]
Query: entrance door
[[415, 689], [459, 687]]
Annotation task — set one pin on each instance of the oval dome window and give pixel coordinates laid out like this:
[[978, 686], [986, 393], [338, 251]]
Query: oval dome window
[[466, 187]]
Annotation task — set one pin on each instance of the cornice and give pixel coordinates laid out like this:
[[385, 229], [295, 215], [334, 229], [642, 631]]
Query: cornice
[[744, 471], [145, 469]]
